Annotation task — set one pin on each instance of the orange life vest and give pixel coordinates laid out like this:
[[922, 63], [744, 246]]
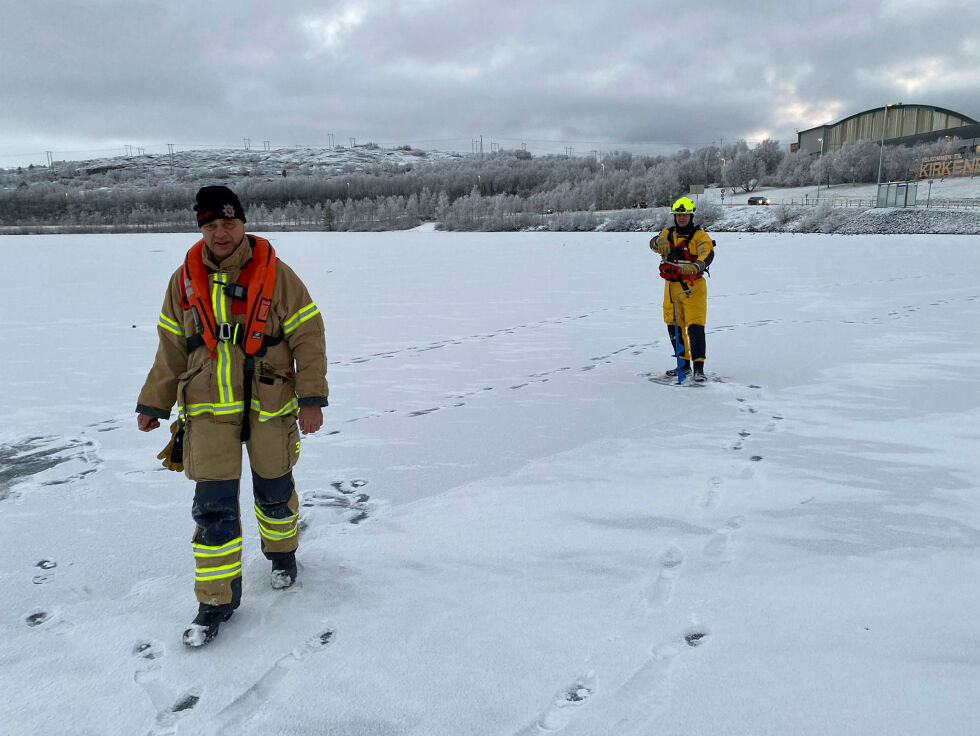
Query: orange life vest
[[257, 280]]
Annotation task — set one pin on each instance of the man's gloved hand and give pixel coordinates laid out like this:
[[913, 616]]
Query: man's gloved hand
[[689, 269], [173, 454], [660, 245]]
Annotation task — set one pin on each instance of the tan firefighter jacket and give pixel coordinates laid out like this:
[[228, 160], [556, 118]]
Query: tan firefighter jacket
[[290, 373]]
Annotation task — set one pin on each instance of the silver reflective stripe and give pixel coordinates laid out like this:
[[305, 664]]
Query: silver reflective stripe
[[216, 573], [203, 550]]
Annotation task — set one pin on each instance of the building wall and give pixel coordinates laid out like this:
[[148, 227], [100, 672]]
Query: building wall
[[895, 121]]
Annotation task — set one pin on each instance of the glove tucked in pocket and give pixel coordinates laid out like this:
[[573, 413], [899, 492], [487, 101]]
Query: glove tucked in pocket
[[173, 454]]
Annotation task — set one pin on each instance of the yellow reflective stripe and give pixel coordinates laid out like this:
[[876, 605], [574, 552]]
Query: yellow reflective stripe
[[307, 312], [291, 406], [276, 529], [262, 517], [217, 573], [223, 352], [276, 536], [193, 410], [204, 550], [234, 407], [223, 373], [169, 325]]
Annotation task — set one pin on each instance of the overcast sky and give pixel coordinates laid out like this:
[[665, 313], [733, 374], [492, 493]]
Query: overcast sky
[[87, 79]]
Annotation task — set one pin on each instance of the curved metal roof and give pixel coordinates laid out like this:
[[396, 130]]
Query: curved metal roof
[[966, 118]]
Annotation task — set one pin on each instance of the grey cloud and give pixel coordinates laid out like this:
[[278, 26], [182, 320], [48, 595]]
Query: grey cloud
[[394, 72]]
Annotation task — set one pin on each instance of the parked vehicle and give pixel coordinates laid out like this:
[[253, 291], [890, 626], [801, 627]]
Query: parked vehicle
[[758, 200]]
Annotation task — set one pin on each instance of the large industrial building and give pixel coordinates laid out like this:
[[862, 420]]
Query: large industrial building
[[899, 125]]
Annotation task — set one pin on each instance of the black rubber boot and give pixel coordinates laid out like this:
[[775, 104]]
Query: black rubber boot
[[284, 571], [205, 625], [686, 368]]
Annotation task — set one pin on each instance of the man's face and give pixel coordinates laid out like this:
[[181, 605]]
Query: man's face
[[223, 236], [681, 220]]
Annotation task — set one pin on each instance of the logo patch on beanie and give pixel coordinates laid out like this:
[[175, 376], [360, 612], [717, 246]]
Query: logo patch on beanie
[[229, 211]]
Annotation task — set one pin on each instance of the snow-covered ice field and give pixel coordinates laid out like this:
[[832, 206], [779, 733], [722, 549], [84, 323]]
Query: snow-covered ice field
[[509, 529]]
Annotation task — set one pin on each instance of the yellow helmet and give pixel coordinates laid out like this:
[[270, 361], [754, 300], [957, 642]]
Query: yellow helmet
[[683, 206]]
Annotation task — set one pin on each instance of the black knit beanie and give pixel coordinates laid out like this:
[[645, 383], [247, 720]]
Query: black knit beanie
[[214, 203]]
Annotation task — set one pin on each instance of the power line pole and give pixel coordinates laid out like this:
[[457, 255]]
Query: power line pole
[[246, 141], [170, 147], [267, 145]]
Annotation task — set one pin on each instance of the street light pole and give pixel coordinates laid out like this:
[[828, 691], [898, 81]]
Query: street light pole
[[819, 171], [602, 188], [881, 153]]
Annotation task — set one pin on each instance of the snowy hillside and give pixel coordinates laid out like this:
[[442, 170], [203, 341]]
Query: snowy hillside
[[513, 525], [372, 189], [236, 164]]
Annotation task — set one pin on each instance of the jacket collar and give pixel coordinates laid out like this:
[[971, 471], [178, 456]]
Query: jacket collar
[[235, 262]]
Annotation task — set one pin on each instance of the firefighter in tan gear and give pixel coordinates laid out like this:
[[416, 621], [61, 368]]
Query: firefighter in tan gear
[[242, 355], [686, 252]]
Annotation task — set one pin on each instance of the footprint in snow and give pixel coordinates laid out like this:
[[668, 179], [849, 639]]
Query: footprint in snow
[[646, 694], [37, 617], [108, 425], [44, 577], [564, 706], [170, 704], [718, 545], [253, 701], [696, 636], [712, 496], [48, 620], [660, 590]]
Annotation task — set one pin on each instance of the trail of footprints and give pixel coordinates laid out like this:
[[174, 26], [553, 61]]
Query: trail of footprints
[[479, 337], [251, 702], [350, 505], [171, 704], [637, 704], [46, 618], [458, 399]]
